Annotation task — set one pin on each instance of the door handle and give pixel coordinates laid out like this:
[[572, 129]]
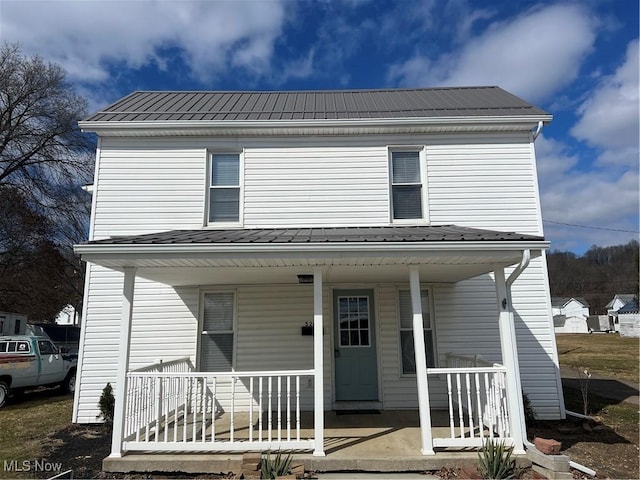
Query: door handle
[[336, 352]]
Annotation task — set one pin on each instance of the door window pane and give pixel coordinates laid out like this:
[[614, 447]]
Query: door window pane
[[354, 321]]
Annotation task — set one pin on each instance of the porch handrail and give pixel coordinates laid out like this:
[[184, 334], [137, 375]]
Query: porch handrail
[[461, 360], [214, 411], [171, 365], [256, 373]]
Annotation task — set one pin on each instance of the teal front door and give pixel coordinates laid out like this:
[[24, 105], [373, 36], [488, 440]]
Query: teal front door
[[356, 370]]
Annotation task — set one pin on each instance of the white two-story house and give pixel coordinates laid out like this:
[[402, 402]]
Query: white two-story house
[[287, 255]]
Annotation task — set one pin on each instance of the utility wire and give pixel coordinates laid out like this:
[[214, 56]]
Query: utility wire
[[588, 226]]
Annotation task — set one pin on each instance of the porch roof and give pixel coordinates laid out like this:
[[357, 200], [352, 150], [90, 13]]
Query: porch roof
[[446, 253]]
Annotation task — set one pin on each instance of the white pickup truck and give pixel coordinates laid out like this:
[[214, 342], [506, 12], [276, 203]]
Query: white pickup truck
[[31, 361]]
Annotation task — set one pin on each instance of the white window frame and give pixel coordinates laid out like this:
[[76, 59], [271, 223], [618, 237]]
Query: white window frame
[[432, 317], [202, 332], [422, 162], [209, 187]]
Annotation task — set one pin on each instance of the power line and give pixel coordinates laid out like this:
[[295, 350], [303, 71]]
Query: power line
[[588, 226]]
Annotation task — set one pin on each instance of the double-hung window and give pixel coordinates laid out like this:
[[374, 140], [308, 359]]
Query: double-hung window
[[217, 338], [406, 331], [406, 185], [224, 188]]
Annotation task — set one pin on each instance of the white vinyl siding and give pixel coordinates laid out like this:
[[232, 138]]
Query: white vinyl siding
[[164, 326], [316, 186], [217, 337], [483, 185], [405, 313]]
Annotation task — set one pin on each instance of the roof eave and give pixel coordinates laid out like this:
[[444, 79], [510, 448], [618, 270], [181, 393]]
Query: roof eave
[[159, 125], [98, 250]]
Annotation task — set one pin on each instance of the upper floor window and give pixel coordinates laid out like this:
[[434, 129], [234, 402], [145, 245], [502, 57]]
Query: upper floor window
[[406, 185], [224, 188]]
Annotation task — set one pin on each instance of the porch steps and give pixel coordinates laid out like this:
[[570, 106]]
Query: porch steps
[[225, 463]]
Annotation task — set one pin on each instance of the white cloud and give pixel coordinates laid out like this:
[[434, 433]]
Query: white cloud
[[533, 55], [609, 117], [85, 36], [600, 198]]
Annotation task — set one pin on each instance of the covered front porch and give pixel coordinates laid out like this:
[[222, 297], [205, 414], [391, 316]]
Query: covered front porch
[[172, 406], [384, 441]]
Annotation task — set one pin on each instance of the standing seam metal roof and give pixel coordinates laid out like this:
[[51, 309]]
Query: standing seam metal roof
[[389, 234], [315, 105]]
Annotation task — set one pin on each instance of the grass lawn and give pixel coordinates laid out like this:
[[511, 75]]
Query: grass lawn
[[24, 424], [607, 354]]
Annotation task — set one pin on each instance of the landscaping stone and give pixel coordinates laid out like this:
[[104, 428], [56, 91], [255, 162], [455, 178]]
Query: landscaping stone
[[548, 446]]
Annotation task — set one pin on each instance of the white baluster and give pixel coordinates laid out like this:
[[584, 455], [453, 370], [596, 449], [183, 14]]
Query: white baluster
[[450, 395], [261, 412], [298, 407], [250, 409], [288, 408], [469, 405], [460, 404], [233, 407], [269, 424], [479, 407], [279, 408]]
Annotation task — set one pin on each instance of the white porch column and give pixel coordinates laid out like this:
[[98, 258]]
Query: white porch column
[[123, 361], [421, 363], [318, 365], [510, 359]]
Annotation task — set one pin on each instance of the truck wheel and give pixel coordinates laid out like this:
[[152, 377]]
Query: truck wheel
[[4, 393], [69, 383]]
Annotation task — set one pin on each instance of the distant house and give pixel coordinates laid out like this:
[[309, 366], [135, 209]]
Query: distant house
[[12, 323], [570, 314], [618, 301], [629, 319], [68, 316]]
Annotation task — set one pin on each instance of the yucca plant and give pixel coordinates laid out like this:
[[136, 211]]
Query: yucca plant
[[276, 467], [496, 461]]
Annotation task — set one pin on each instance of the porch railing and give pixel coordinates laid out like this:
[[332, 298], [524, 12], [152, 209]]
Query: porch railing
[[477, 402], [170, 407]]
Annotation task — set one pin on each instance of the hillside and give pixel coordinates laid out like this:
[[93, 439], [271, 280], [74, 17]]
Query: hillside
[[597, 275]]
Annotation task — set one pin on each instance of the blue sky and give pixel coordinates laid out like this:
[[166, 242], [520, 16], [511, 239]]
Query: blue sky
[[576, 59]]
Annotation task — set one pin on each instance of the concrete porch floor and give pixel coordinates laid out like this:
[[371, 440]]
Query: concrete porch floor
[[369, 442]]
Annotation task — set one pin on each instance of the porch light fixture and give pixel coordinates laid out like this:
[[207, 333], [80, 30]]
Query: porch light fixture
[[305, 278]]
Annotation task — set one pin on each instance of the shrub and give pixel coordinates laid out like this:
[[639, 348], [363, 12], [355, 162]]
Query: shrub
[[529, 411], [107, 404], [276, 467], [496, 461]]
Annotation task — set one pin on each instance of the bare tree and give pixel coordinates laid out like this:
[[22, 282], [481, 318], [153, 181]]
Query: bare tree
[[41, 145], [44, 161]]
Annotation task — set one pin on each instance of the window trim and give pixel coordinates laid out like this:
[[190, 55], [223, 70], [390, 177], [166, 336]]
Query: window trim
[[399, 329], [201, 332], [209, 187], [422, 163]]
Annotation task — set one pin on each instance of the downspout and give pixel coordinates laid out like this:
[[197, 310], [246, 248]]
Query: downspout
[[526, 258], [538, 130]]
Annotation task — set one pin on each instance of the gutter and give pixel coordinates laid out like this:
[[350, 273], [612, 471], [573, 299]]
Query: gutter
[[359, 247], [93, 126]]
